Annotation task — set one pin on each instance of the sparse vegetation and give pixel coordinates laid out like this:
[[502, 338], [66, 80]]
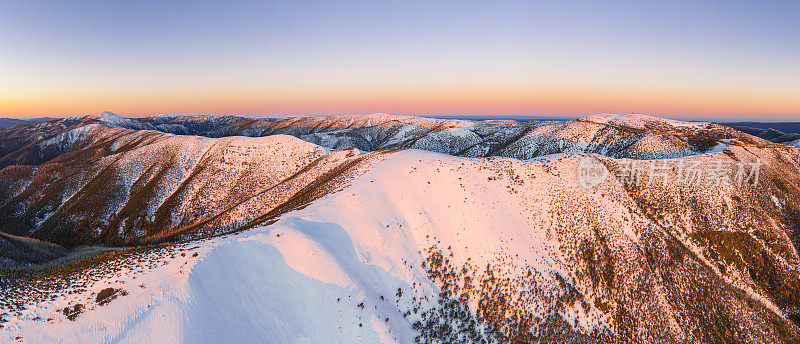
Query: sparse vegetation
[[73, 312], [109, 294]]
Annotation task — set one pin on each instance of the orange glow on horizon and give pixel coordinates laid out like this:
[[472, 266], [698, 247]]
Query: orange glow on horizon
[[464, 100]]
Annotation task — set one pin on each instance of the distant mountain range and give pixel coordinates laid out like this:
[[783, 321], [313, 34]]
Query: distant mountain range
[[778, 132], [10, 122], [786, 127], [781, 132]]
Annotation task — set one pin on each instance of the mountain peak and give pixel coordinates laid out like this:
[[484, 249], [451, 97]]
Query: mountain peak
[[108, 114]]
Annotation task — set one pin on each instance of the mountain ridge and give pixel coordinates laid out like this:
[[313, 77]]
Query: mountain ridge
[[483, 226]]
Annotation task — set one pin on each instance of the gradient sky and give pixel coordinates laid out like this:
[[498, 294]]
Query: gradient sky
[[682, 59]]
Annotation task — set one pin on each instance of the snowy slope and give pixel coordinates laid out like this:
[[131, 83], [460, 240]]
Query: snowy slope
[[494, 240], [584, 264], [90, 184]]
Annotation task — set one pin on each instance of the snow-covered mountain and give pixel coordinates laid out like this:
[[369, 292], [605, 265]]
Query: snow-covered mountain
[[435, 231], [87, 183]]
